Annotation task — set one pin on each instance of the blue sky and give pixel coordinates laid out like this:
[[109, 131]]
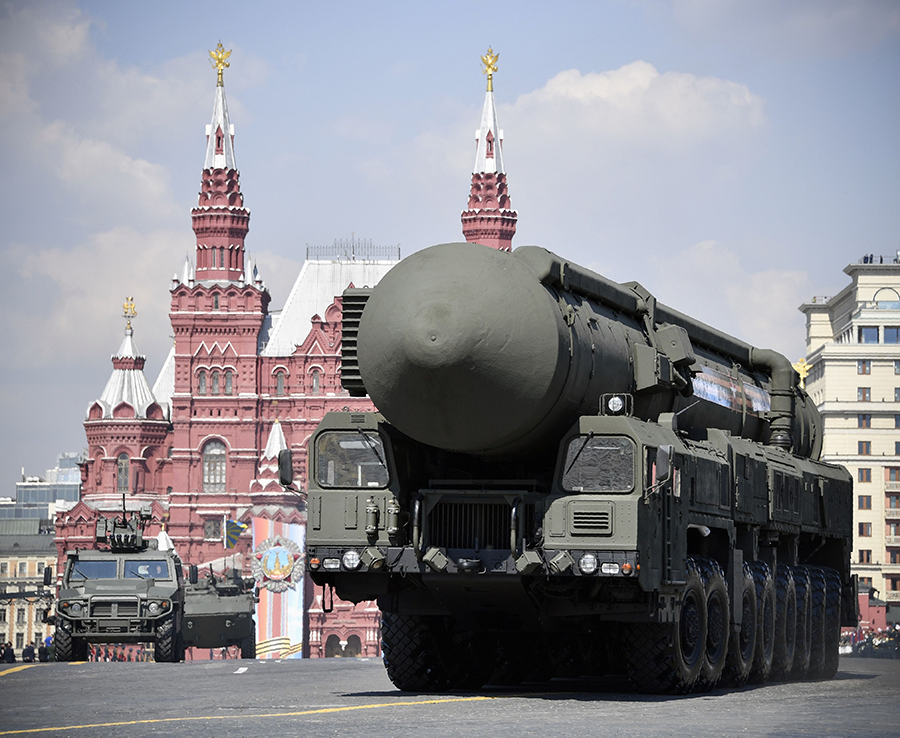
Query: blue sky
[[733, 157]]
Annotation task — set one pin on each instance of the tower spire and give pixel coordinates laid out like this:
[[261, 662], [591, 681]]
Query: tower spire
[[220, 220], [489, 219]]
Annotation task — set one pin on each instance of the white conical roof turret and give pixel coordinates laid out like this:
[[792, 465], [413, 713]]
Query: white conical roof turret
[[276, 443], [489, 137], [127, 384], [220, 131]]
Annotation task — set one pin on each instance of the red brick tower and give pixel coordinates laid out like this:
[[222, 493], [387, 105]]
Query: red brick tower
[[489, 219]]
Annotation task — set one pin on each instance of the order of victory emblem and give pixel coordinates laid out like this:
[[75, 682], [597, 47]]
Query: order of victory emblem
[[277, 564]]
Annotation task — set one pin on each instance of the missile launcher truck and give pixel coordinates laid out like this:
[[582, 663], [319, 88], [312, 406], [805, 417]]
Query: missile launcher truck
[[130, 592], [566, 477]]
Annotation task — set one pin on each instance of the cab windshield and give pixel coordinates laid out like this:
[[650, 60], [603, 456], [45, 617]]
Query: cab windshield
[[146, 569], [93, 570], [599, 464], [350, 459]]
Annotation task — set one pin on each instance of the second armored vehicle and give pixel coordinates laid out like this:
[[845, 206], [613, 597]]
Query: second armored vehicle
[[218, 612]]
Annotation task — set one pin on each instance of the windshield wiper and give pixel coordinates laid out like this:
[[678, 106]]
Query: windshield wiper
[[371, 444], [76, 570], [589, 437]]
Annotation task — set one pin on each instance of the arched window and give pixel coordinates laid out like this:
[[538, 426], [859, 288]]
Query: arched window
[[229, 383], [201, 389], [279, 384], [315, 381], [214, 467], [215, 302], [215, 383], [122, 473]]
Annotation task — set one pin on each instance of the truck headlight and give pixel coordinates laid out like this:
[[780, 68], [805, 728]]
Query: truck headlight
[[153, 608], [350, 559], [75, 608], [588, 563]]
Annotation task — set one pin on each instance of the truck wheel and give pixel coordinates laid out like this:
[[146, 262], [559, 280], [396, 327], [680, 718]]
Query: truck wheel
[[469, 657], [832, 622], [248, 645], [411, 654], [669, 657], [785, 623], [718, 619], [765, 622], [742, 644], [804, 623], [68, 647], [166, 647], [817, 623]]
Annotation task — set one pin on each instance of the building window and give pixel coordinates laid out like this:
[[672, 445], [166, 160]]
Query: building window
[[895, 557], [863, 394], [40, 567], [891, 335], [863, 421], [865, 556], [20, 640], [865, 502], [38, 617], [279, 384], [212, 529], [893, 530], [896, 448], [2, 614], [865, 530], [864, 475], [122, 473], [229, 383], [4, 569], [201, 387], [865, 584], [893, 474], [315, 381], [863, 366], [864, 448], [23, 568], [215, 383], [20, 617], [896, 394], [214, 467], [896, 366], [893, 502], [867, 334]]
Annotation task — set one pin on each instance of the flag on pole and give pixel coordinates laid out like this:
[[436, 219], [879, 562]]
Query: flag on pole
[[233, 530]]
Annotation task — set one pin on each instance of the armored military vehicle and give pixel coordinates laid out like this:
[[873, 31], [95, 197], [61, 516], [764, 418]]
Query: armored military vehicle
[[218, 612], [567, 477], [129, 592]]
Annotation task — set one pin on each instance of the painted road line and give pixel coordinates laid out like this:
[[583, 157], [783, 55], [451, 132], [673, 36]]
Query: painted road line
[[16, 668], [248, 716], [241, 670]]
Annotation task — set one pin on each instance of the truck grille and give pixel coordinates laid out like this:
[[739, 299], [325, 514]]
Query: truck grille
[[471, 525], [115, 609], [590, 523]]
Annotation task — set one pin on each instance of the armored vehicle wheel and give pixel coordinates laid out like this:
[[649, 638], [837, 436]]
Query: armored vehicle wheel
[[469, 657], [248, 645], [817, 622], [765, 622], [68, 647], [167, 647], [718, 619], [804, 623], [670, 657], [785, 623], [832, 622], [411, 653], [742, 644]]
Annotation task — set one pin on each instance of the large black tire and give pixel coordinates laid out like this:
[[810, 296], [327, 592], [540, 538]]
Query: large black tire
[[167, 646], [68, 647], [469, 657], [248, 645], [817, 622], [832, 622], [804, 622], [411, 653], [765, 622], [742, 644], [669, 658], [785, 624], [718, 624]]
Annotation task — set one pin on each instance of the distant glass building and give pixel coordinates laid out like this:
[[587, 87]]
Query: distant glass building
[[35, 495]]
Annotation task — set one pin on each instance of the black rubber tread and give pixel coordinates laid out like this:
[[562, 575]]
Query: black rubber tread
[[166, 646], [817, 622], [765, 622], [804, 623], [469, 657], [248, 645], [655, 657], [832, 622], [718, 623], [785, 624], [68, 647], [742, 644], [410, 653]]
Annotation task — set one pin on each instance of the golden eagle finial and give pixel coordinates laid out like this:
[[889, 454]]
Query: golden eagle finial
[[218, 58], [803, 370], [490, 66], [128, 311]]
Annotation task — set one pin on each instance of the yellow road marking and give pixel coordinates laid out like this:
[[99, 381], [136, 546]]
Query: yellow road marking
[[252, 715], [16, 668]]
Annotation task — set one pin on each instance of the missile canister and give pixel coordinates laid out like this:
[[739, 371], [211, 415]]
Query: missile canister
[[491, 353]]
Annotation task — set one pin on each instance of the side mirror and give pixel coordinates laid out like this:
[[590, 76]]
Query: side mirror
[[664, 463], [285, 468], [193, 574], [48, 576]]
